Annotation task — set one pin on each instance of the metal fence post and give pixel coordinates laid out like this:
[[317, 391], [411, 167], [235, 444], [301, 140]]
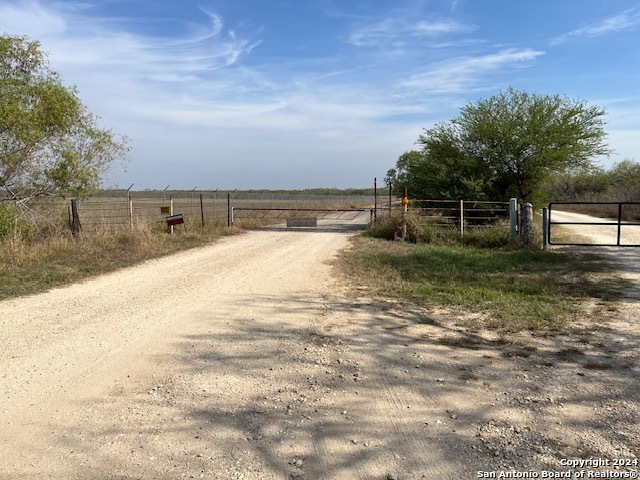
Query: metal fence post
[[619, 236], [375, 199], [405, 206], [201, 210], [513, 217], [461, 218], [130, 212], [545, 228], [171, 211]]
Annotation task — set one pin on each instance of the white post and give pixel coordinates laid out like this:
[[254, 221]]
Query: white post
[[513, 217], [545, 228], [461, 218], [130, 212], [171, 211]]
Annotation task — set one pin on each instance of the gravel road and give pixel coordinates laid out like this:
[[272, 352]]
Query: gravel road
[[253, 359], [595, 230]]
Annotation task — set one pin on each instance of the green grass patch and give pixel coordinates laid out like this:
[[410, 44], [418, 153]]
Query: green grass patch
[[517, 289]]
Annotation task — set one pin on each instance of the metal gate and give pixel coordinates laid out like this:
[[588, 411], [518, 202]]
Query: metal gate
[[324, 218], [603, 224]]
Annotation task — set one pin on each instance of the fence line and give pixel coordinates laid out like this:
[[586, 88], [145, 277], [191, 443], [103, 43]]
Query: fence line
[[138, 208], [207, 206], [460, 214]]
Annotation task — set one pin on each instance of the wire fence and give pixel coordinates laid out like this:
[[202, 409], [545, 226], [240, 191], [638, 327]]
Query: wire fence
[[132, 208], [128, 208], [458, 214]]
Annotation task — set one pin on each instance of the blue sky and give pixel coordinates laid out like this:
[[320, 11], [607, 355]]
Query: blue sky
[[256, 94]]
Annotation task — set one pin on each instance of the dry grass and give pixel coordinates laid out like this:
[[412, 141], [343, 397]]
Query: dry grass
[[43, 254], [29, 266]]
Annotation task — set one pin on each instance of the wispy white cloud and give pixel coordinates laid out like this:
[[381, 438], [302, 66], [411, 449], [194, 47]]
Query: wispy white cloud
[[467, 73], [140, 84], [390, 31], [118, 70], [76, 39], [624, 21], [30, 18], [214, 88]]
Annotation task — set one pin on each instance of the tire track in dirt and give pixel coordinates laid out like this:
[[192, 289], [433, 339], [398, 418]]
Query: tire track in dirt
[[72, 344]]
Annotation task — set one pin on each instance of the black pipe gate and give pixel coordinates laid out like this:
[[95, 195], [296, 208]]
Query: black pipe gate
[[616, 221]]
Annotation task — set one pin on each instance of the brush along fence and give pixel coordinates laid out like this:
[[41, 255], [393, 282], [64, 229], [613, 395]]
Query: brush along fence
[[460, 214], [457, 215]]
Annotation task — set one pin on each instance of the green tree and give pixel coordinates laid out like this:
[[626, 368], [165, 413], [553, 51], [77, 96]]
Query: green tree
[[625, 181], [507, 146], [587, 184], [49, 143], [445, 175]]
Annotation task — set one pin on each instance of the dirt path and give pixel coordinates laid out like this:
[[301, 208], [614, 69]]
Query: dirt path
[[250, 359]]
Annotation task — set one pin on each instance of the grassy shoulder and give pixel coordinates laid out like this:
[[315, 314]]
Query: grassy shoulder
[[34, 266], [514, 289]]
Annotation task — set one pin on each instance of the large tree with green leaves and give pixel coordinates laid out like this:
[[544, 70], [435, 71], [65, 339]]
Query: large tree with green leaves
[[49, 143], [506, 146]]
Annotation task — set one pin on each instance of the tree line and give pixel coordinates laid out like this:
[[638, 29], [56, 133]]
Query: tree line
[[620, 183]]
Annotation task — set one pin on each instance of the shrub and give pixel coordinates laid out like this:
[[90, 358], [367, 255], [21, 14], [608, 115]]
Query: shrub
[[12, 224], [437, 233], [390, 228]]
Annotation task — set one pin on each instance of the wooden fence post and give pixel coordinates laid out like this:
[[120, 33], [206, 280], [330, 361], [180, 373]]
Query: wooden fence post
[[76, 228]]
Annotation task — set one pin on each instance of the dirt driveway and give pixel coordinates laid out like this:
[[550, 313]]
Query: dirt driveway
[[252, 359]]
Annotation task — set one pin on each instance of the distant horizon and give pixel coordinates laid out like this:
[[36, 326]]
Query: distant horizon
[[298, 94], [240, 190]]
